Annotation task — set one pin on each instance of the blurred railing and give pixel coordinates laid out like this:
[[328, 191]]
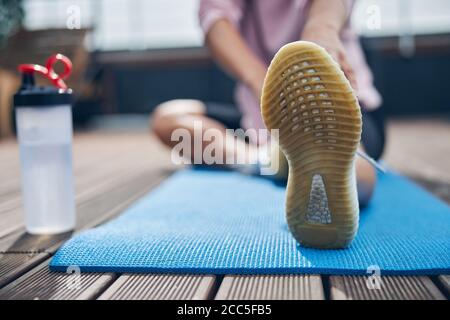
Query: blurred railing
[[138, 81]]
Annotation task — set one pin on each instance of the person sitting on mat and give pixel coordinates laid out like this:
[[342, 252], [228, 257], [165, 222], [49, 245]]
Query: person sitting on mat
[[308, 93]]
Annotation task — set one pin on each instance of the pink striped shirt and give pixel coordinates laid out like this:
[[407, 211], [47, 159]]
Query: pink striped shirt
[[280, 22]]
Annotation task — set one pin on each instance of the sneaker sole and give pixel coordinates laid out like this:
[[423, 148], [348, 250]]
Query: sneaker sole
[[308, 98]]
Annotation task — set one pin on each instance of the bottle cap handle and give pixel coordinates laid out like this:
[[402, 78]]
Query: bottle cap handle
[[49, 72]]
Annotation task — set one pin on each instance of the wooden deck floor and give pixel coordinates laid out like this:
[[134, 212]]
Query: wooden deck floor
[[112, 170]]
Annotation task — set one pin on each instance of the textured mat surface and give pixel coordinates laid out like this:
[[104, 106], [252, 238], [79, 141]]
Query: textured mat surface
[[222, 222]]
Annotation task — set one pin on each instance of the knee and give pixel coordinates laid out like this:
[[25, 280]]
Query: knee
[[157, 124], [159, 118], [163, 118]]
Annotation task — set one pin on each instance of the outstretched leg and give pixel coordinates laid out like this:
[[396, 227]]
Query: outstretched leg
[[308, 99]]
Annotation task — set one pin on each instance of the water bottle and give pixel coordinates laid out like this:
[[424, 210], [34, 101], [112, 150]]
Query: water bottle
[[44, 130]]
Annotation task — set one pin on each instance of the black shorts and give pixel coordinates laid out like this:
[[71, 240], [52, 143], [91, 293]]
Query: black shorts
[[373, 132]]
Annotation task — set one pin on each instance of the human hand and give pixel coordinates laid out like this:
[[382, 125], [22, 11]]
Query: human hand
[[329, 39]]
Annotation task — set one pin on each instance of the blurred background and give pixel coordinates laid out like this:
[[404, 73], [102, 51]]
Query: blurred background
[[130, 55]]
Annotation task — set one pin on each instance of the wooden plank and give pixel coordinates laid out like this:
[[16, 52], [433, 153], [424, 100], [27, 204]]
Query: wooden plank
[[444, 280], [86, 152], [14, 265], [92, 213], [430, 163], [101, 162], [110, 188], [10, 222], [94, 155], [22, 242], [391, 288], [98, 180], [439, 189], [13, 219], [119, 168], [96, 212], [160, 287], [271, 287], [41, 284]]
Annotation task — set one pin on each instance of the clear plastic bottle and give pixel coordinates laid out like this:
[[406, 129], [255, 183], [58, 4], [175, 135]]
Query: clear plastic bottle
[[44, 128]]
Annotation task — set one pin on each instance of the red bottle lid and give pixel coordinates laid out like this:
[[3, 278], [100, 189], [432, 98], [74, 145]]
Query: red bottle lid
[[31, 95]]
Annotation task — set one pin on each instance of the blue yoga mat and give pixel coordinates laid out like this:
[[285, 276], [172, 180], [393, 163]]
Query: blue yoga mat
[[227, 223]]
